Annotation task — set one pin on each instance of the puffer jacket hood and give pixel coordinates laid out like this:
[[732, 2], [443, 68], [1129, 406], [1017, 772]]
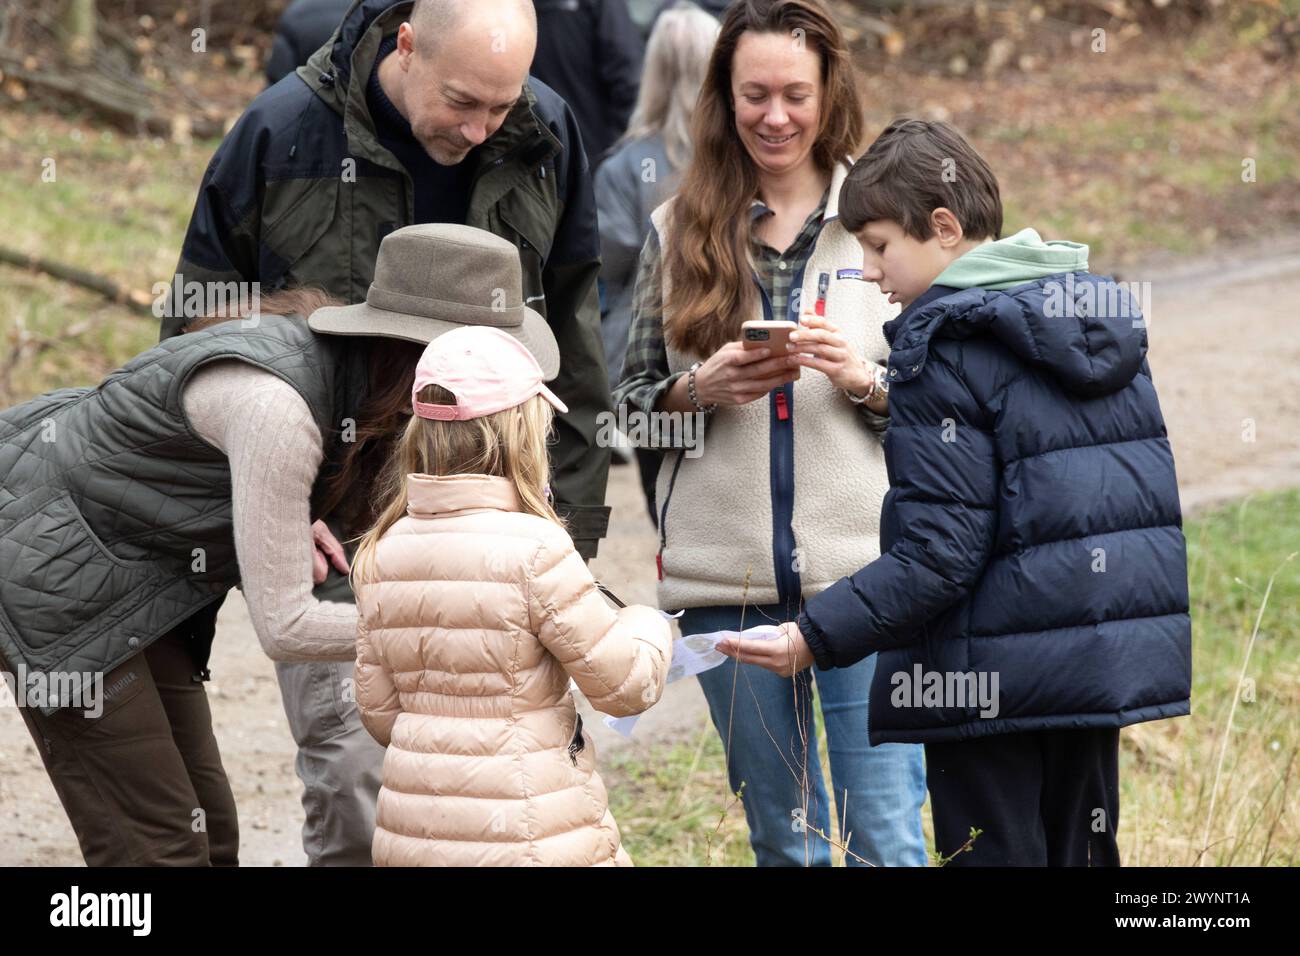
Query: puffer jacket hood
[[473, 618], [329, 70], [1004, 263], [1083, 329]]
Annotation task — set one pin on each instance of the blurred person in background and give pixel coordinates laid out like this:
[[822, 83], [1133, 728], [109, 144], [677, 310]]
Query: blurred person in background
[[589, 51], [303, 29], [657, 8], [641, 173]]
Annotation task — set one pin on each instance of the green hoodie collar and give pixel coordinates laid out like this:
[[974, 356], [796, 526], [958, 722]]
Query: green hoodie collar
[[1012, 261]]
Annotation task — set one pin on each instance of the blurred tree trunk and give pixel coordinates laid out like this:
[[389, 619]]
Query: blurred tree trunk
[[80, 30]]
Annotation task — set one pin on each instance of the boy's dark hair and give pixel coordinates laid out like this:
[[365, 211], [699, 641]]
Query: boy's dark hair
[[915, 167]]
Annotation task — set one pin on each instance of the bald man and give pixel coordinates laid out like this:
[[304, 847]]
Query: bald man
[[411, 113]]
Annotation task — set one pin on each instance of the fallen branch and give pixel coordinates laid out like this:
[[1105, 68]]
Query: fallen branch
[[79, 277], [120, 103]]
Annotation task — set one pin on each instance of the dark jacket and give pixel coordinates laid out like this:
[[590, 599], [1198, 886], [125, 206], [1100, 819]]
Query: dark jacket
[[296, 195], [1032, 530], [115, 517], [303, 27], [590, 51]]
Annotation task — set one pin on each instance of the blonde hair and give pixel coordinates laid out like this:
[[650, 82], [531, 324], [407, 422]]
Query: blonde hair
[[676, 60], [508, 444]]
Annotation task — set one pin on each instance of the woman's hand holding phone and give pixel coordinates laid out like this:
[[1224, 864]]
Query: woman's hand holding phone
[[818, 345], [735, 375]]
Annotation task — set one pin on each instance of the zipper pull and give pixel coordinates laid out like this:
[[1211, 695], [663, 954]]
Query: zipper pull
[[782, 413], [823, 286], [659, 564]]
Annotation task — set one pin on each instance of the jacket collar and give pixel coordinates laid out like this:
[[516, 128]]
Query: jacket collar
[[909, 332], [838, 175], [900, 321], [830, 205], [432, 495]]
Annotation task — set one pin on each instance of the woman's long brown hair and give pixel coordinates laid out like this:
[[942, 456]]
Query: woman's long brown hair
[[347, 493], [706, 254]]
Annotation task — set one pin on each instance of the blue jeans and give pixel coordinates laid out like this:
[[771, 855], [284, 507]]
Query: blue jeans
[[878, 790]]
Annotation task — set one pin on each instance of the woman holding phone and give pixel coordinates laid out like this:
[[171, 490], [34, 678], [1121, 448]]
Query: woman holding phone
[[787, 498]]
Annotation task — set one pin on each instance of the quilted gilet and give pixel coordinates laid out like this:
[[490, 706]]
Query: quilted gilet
[[115, 517]]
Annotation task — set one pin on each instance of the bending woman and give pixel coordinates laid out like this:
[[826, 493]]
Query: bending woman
[[130, 507]]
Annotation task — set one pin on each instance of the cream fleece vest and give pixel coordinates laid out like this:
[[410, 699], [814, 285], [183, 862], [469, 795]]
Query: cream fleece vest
[[717, 525]]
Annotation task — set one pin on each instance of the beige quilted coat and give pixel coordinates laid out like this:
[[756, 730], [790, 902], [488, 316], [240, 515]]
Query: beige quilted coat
[[472, 621]]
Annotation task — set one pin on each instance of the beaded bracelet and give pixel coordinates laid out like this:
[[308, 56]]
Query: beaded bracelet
[[690, 390]]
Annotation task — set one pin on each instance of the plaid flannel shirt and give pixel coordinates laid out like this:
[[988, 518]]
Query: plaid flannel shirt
[[646, 372]]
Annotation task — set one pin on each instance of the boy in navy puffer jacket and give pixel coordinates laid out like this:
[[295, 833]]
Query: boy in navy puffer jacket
[[1031, 594]]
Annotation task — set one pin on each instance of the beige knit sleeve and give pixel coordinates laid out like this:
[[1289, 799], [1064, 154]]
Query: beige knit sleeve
[[267, 431]]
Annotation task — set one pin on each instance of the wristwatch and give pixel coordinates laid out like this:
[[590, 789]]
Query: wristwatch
[[879, 386]]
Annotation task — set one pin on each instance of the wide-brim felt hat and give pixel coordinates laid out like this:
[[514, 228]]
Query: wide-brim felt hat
[[435, 277]]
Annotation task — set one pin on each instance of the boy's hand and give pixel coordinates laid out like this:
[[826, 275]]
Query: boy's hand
[[784, 656], [819, 345]]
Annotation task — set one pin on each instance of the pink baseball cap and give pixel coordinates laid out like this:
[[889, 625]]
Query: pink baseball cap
[[486, 369]]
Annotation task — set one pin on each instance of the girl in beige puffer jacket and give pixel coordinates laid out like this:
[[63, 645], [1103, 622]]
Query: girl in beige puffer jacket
[[475, 610]]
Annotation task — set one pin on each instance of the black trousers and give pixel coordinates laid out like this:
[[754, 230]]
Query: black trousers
[[1046, 798], [143, 783]]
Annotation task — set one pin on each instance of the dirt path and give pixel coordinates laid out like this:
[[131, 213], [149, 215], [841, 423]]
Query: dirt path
[[1225, 352]]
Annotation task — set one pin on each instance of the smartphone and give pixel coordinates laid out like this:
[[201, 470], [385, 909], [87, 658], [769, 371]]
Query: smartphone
[[767, 333]]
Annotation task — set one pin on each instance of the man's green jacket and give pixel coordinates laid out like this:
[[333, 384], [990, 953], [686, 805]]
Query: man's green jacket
[[301, 192]]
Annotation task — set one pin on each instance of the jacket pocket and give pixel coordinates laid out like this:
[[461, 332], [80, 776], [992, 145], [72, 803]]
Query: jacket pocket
[[296, 214], [60, 579], [665, 484]]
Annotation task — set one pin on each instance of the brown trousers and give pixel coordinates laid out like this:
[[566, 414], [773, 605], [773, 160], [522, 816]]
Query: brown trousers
[[143, 783]]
